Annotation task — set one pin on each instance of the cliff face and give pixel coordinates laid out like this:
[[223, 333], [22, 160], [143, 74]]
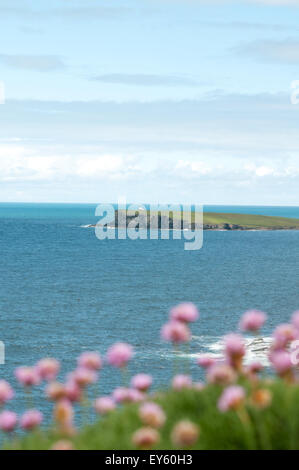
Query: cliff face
[[156, 221]]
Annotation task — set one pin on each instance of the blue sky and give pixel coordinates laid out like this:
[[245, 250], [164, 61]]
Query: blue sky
[[182, 101]]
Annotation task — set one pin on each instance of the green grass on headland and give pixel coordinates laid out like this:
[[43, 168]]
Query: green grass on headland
[[251, 221], [220, 221]]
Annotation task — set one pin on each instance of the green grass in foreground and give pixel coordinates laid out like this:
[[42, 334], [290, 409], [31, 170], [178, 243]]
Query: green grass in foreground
[[275, 427]]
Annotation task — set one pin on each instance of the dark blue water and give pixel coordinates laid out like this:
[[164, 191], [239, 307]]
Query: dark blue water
[[63, 291]]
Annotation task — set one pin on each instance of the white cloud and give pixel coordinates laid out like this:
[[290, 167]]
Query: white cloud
[[29, 173], [89, 167], [261, 170], [264, 171], [21, 163], [197, 167], [277, 172]]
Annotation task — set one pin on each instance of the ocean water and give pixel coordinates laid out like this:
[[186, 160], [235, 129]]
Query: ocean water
[[63, 291]]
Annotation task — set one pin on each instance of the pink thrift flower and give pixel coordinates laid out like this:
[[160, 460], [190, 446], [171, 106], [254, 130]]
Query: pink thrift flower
[[152, 415], [234, 347], [205, 361], [252, 320], [72, 391], [126, 395], [135, 395], [55, 391], [8, 421], [181, 381], [119, 354], [142, 382], [6, 392], [185, 434], [104, 405], [221, 374], [185, 312], [27, 376], [145, 438], [255, 367], [281, 362], [121, 395], [48, 368], [90, 360], [232, 398], [83, 377], [31, 419], [283, 335], [176, 332]]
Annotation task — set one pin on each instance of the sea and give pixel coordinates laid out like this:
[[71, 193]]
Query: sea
[[63, 291]]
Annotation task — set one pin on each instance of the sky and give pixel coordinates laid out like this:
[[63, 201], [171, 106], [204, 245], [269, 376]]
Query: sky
[[155, 101]]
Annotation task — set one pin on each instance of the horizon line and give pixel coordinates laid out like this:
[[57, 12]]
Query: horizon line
[[146, 203]]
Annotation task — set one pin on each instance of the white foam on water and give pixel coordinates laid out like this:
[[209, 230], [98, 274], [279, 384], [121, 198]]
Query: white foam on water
[[257, 349]]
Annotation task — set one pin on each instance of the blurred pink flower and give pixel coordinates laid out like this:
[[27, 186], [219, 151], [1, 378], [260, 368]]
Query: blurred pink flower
[[121, 394], [221, 374], [234, 347], [55, 391], [181, 381], [185, 434], [27, 376], [48, 368], [8, 421], [83, 377], [232, 398], [145, 438], [135, 395], [252, 320], [6, 392], [281, 362], [31, 419], [255, 367], [176, 332], [119, 354], [283, 335], [104, 405], [90, 360], [152, 415], [72, 391], [205, 361], [142, 382], [186, 312]]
